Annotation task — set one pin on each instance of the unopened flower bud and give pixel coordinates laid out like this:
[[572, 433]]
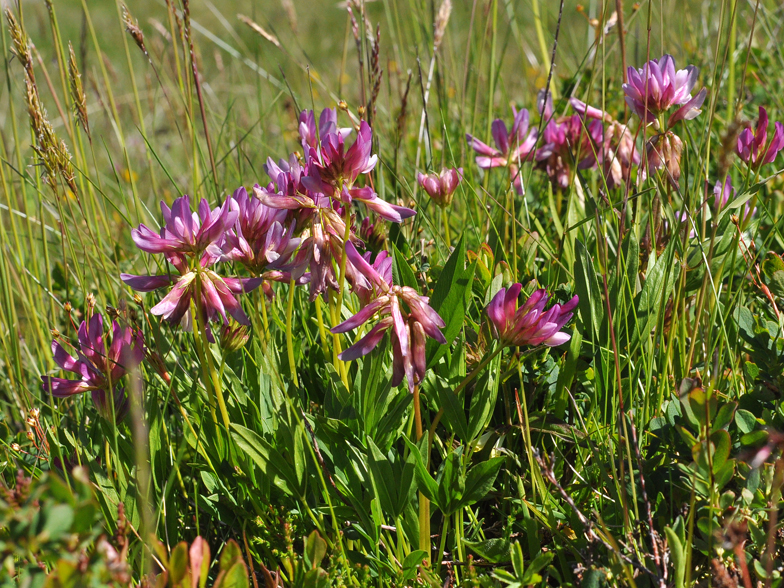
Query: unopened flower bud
[[15, 447], [361, 111], [342, 105], [234, 336], [67, 307], [30, 435], [35, 412], [54, 333], [441, 187], [372, 233], [91, 300], [137, 299]]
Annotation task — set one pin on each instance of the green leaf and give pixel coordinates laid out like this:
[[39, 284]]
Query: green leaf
[[315, 549], [402, 274], [587, 287], [231, 553], [702, 407], [383, 479], [58, 522], [724, 416], [454, 413], [494, 550], [773, 268], [722, 444], [425, 482], [739, 201], [754, 438], [451, 485], [518, 561], [483, 398], [659, 283], [235, 577], [178, 564], [540, 562], [677, 556], [450, 299], [480, 480], [266, 458], [412, 562], [745, 420]]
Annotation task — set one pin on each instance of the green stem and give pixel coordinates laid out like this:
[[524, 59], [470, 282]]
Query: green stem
[[442, 544], [206, 358], [342, 368], [424, 503], [264, 319], [447, 235], [540, 39], [321, 329], [198, 329], [514, 231], [289, 337]]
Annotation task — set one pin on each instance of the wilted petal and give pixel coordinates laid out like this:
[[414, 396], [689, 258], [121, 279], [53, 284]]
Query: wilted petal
[[62, 388], [362, 316], [147, 283], [480, 147], [367, 343], [389, 211], [689, 110]]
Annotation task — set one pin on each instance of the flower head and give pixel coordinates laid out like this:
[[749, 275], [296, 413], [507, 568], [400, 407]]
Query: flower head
[[333, 170], [567, 139], [404, 313], [328, 124], [657, 87], [188, 233], [512, 146], [753, 146], [192, 247], [723, 193], [215, 296], [441, 187], [258, 239], [530, 324], [613, 146], [99, 367], [321, 243]]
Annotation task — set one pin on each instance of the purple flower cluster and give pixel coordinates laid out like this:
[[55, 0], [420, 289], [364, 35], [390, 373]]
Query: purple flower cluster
[[753, 146], [400, 310], [193, 242], [512, 146], [723, 193], [657, 87], [592, 138], [99, 367], [529, 324], [299, 227]]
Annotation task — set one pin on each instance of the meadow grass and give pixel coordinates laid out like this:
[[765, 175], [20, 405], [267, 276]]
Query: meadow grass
[[645, 451]]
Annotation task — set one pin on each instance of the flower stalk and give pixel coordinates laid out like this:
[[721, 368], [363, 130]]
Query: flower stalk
[[289, 335]]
